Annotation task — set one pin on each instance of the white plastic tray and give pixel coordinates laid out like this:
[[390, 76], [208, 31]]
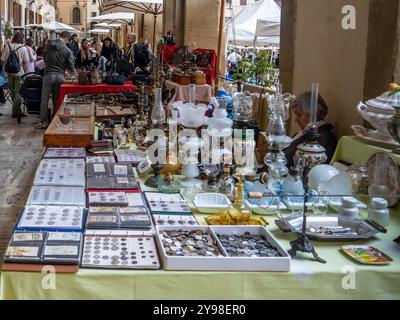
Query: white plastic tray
[[224, 263]]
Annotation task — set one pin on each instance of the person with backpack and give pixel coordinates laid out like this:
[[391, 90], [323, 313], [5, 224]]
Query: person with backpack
[[15, 57], [58, 58]]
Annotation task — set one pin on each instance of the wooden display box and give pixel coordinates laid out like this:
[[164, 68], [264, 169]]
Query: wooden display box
[[182, 79], [77, 109], [199, 79], [72, 132]]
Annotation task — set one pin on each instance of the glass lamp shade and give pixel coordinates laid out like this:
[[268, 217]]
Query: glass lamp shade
[[158, 112]]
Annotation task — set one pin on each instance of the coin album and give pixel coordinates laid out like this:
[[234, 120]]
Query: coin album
[[44, 247], [166, 203], [57, 195], [111, 183], [54, 218], [61, 172], [129, 156], [117, 199], [65, 153], [100, 159], [108, 170], [119, 251], [118, 218], [174, 220]]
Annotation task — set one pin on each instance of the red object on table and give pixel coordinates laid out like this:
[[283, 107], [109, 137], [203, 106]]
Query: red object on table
[[167, 51], [68, 88], [210, 72]]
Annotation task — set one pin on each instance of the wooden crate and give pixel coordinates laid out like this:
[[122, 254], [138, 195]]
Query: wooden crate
[[182, 79], [199, 79], [77, 133]]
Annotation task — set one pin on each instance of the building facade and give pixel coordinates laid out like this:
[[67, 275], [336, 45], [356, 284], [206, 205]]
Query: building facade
[[92, 11], [14, 13], [73, 13]]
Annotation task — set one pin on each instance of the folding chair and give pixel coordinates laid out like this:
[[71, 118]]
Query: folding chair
[[7, 92]]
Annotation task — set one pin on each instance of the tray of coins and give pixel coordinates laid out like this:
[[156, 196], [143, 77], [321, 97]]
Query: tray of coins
[[68, 131], [119, 250], [61, 172], [54, 218], [65, 153], [227, 248], [77, 109], [57, 195], [118, 218], [44, 248]]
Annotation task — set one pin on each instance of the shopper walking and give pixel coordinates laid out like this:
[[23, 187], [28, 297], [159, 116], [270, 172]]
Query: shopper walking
[[15, 57], [58, 58]]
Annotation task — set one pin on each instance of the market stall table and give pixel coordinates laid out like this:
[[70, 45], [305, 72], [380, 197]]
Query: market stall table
[[306, 280], [68, 88], [203, 92], [352, 149]]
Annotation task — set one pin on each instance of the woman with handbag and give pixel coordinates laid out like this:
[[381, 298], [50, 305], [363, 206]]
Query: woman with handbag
[[85, 58]]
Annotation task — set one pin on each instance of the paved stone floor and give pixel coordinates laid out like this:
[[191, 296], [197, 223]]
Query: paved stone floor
[[20, 151]]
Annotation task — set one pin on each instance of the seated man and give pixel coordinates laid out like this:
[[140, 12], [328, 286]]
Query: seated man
[[301, 108]]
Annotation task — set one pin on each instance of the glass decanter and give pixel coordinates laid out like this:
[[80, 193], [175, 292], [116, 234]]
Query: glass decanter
[[158, 112], [239, 212], [227, 182]]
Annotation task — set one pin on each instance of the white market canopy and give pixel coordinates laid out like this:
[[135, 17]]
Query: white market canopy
[[105, 25], [153, 7], [257, 25], [58, 27], [99, 31], [117, 17]]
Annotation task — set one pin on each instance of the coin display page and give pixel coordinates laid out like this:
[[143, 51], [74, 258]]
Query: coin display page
[[111, 251], [65, 153], [57, 195], [61, 172], [62, 217]]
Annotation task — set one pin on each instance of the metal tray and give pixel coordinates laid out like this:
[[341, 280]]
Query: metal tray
[[358, 229]]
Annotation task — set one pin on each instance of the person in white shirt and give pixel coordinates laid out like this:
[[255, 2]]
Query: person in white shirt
[[234, 58], [30, 67], [14, 79]]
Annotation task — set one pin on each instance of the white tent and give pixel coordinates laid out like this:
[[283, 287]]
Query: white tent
[[117, 17], [99, 31], [105, 25], [257, 25], [58, 27]]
